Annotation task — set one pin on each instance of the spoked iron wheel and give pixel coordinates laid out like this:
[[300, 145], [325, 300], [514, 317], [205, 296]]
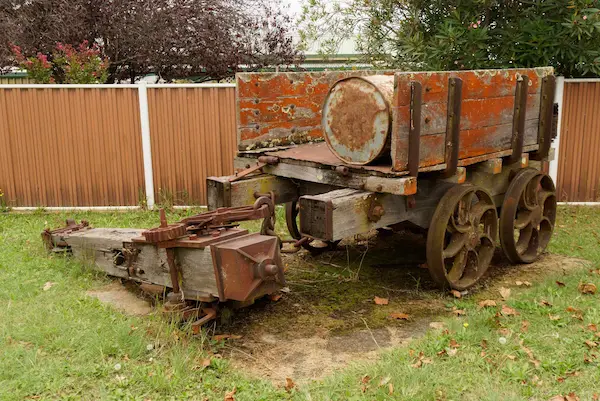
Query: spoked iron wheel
[[462, 236], [528, 215], [313, 246]]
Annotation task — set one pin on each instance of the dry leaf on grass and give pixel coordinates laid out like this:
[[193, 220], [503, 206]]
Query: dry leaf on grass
[[587, 288], [220, 337], [508, 311], [230, 395], [571, 397], [553, 317], [48, 285], [560, 283], [390, 389], [453, 343], [421, 360], [365, 379], [456, 294], [400, 316], [458, 312], [487, 303], [529, 353], [592, 327], [504, 292], [289, 384], [381, 301], [204, 363], [524, 326], [384, 380], [591, 344], [543, 302], [523, 283]]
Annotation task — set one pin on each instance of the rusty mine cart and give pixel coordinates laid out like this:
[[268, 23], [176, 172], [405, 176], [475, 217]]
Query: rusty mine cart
[[460, 154]]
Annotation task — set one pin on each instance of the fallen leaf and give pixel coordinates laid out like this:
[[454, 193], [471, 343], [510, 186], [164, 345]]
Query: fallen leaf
[[453, 343], [560, 283], [48, 285], [553, 317], [289, 384], [381, 301], [511, 357], [390, 389], [220, 337], [204, 363], [543, 302], [592, 327], [524, 326], [484, 344], [487, 303], [595, 397], [588, 359], [458, 312], [421, 360], [591, 344], [571, 397], [365, 379], [508, 311], [400, 316], [587, 288], [505, 331], [275, 297], [230, 395], [532, 358], [523, 283], [557, 398], [456, 294], [442, 352], [504, 292], [452, 351], [384, 380], [560, 379]]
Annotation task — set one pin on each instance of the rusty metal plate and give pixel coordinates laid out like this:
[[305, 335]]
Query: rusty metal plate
[[487, 108], [279, 109], [247, 267], [357, 118]]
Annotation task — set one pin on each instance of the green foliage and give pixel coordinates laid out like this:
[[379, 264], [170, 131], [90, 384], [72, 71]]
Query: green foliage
[[3, 203], [469, 34]]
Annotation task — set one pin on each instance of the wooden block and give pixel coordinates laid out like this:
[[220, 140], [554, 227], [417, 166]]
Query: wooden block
[[396, 186], [345, 212], [492, 166], [222, 193]]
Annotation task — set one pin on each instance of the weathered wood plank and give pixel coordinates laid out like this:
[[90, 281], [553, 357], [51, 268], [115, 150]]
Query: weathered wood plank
[[397, 186], [222, 193], [349, 210]]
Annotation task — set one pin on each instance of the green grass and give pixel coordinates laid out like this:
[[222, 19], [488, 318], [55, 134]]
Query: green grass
[[62, 344]]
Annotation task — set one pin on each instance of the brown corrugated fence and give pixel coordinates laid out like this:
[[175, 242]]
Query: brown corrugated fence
[[193, 137], [579, 156], [70, 147], [83, 146]]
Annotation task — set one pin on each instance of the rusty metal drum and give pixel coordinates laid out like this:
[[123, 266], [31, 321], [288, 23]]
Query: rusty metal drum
[[357, 118]]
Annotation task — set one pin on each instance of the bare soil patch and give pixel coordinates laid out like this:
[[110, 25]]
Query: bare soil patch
[[123, 299]]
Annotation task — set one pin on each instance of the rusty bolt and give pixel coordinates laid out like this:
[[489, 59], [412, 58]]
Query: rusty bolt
[[271, 270], [343, 171], [378, 211]]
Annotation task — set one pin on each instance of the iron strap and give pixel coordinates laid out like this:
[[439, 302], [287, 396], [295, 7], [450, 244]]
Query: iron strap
[[518, 128], [453, 125], [414, 132], [546, 118]]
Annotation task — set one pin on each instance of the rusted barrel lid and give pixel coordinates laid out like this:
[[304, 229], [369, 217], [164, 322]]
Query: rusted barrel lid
[[357, 118]]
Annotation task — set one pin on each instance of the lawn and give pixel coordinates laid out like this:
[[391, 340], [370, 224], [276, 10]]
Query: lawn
[[59, 343]]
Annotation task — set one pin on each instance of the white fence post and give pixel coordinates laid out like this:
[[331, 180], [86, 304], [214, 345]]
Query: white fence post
[[558, 98], [146, 144]]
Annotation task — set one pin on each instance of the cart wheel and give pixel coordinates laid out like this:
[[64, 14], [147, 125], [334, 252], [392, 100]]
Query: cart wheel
[[527, 216], [315, 247], [462, 236]]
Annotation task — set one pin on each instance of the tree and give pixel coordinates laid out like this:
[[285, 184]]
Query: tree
[[466, 34], [208, 39]]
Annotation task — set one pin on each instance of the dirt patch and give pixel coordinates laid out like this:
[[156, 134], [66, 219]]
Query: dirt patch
[[120, 297], [329, 319]]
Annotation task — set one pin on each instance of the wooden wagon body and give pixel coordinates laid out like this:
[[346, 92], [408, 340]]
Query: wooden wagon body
[[437, 145]]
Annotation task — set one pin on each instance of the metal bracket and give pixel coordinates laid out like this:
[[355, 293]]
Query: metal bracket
[[414, 132], [518, 129], [546, 118], [453, 125]]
